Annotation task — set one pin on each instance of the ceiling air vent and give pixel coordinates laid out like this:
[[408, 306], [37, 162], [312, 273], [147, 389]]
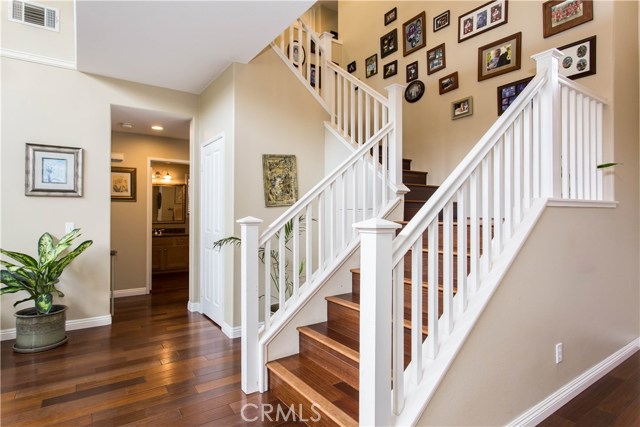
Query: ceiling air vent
[[34, 14]]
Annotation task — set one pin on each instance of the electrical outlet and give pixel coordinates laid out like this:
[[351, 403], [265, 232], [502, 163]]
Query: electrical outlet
[[558, 352], [69, 227]]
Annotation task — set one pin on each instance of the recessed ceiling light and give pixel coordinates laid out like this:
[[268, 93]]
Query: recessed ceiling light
[[126, 125], [157, 127]]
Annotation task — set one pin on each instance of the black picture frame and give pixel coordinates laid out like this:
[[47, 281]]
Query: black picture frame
[[295, 57], [414, 35], [391, 16], [412, 71], [351, 67], [436, 59], [579, 58], [390, 69], [389, 43], [508, 93], [441, 21], [312, 75], [123, 184], [371, 65], [414, 91]]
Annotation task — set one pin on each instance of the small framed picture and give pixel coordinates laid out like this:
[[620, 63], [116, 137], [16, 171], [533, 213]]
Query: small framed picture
[[412, 71], [579, 58], [313, 74], [448, 83], [560, 15], [413, 34], [53, 171], [391, 16], [414, 91], [371, 65], [390, 69], [436, 59], [481, 19], [123, 184], [499, 57], [351, 67], [462, 108], [441, 21], [296, 53], [509, 92], [389, 43]]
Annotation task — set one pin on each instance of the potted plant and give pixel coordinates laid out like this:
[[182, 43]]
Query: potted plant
[[41, 327]]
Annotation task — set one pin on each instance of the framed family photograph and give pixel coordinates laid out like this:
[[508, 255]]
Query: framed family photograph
[[448, 83], [436, 59], [412, 71], [313, 76], [414, 91], [509, 92], [481, 19], [389, 43], [560, 15], [390, 69], [280, 178], [351, 67], [123, 184], [53, 171], [441, 21], [499, 57], [579, 58], [371, 65], [462, 108], [296, 52], [391, 16], [413, 34]]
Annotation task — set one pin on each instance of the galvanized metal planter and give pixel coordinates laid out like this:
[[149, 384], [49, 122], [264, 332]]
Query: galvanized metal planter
[[41, 332]]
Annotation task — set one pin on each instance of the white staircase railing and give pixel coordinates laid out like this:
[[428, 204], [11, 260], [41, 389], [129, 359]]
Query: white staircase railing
[[297, 253], [546, 146]]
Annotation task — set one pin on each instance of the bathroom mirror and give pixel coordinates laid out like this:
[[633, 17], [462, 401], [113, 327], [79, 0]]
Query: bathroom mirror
[[169, 204]]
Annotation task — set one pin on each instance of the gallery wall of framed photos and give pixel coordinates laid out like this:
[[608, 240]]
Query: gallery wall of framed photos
[[453, 65]]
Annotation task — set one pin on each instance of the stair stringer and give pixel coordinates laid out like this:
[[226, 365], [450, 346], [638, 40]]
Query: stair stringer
[[418, 396]]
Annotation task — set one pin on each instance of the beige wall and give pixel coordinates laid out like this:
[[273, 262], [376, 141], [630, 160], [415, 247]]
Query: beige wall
[[55, 106], [435, 142], [59, 45], [129, 225]]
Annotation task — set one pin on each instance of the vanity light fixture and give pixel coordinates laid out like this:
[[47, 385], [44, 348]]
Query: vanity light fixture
[[166, 176], [157, 128]]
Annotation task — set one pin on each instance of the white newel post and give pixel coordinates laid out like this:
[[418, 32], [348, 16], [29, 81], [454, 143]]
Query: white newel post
[[550, 124], [325, 73], [249, 303], [396, 94], [376, 236]]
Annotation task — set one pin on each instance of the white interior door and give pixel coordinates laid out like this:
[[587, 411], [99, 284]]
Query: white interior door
[[212, 228]]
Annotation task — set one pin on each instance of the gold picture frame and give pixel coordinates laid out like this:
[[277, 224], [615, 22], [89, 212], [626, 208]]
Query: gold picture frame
[[280, 179]]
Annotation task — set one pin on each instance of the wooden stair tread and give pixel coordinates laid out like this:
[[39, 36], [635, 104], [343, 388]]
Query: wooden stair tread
[[313, 381], [335, 340], [422, 185], [408, 281]]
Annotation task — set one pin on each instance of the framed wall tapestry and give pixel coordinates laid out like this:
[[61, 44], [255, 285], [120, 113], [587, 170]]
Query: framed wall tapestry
[[560, 15], [509, 92], [280, 179], [123, 184], [579, 58], [389, 43], [441, 21], [481, 19], [462, 108], [448, 83], [53, 171], [436, 59], [499, 57], [413, 34]]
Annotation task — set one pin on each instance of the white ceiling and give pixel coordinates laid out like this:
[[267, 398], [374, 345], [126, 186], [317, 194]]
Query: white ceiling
[[181, 45], [142, 120]]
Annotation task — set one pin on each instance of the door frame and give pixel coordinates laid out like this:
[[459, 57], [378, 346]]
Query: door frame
[[149, 226]]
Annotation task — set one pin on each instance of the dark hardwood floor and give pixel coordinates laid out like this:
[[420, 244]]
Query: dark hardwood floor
[[158, 364]]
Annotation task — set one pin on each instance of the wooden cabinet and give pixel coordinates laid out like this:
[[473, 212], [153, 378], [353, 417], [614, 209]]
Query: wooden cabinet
[[170, 253]]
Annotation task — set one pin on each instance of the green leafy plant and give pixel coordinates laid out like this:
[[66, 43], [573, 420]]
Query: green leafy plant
[[607, 165], [38, 277]]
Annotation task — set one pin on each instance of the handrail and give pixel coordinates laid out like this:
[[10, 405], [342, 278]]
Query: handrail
[[371, 91], [323, 185], [403, 242]]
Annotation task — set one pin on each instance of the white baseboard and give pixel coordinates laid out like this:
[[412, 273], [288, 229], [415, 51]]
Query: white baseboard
[[89, 322], [231, 331], [555, 401], [119, 293], [194, 307]]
